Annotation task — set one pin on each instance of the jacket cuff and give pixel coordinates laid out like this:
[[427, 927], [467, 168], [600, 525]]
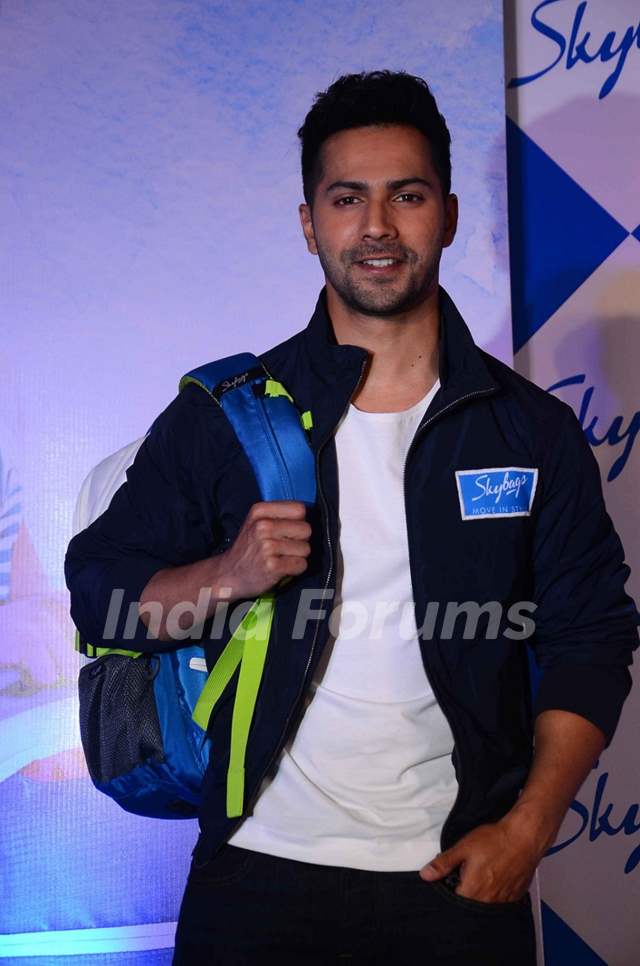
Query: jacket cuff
[[102, 598], [597, 692]]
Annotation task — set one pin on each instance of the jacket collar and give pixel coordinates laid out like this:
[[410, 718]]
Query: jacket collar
[[461, 366], [333, 369]]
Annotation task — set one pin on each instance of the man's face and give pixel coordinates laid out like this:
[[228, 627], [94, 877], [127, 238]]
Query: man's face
[[379, 198]]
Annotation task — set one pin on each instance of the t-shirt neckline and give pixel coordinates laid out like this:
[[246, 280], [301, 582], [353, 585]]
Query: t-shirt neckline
[[401, 413]]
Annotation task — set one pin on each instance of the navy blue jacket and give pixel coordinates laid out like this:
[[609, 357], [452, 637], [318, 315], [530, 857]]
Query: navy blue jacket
[[191, 486]]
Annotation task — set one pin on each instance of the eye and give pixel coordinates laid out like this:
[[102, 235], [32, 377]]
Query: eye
[[346, 201], [410, 196]]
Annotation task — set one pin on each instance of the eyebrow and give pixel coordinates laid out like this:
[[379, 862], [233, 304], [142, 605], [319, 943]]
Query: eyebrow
[[392, 185]]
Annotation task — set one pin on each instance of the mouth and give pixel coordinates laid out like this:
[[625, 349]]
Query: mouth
[[381, 265]]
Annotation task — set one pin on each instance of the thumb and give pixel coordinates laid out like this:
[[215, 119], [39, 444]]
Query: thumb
[[442, 865]]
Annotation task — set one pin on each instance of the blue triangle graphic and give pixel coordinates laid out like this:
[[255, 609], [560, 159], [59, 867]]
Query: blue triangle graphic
[[563, 946], [636, 233], [558, 234]]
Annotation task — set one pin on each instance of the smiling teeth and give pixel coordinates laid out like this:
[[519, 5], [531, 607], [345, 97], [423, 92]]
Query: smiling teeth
[[379, 262]]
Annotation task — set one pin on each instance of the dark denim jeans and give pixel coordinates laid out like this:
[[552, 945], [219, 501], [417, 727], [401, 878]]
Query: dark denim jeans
[[247, 908]]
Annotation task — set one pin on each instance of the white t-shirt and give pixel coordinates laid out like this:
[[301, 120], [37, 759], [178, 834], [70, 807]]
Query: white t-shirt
[[366, 781]]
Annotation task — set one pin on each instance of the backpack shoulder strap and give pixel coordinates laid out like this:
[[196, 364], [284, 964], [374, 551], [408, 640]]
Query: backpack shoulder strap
[[273, 435], [222, 374], [267, 423]]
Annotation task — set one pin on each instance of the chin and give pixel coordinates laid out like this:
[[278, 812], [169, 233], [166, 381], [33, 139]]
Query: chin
[[391, 303]]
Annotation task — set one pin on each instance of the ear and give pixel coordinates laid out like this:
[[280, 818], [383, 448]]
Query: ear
[[451, 220], [307, 228]]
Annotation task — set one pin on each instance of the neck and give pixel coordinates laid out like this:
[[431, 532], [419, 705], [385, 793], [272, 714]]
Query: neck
[[403, 351]]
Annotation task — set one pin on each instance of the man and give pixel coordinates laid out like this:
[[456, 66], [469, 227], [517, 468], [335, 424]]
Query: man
[[392, 810]]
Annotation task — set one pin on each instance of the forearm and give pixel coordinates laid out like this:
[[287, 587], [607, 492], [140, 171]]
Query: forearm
[[271, 547], [201, 585], [498, 860], [566, 748]]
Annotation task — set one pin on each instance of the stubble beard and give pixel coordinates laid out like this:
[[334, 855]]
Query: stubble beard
[[381, 298]]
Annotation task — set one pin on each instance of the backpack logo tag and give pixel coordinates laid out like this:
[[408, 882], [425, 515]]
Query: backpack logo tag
[[501, 491]]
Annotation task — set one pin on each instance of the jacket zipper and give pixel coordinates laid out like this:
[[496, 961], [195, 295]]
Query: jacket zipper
[[456, 402], [280, 743], [428, 422]]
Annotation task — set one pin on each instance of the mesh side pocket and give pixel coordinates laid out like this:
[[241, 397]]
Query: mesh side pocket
[[119, 723]]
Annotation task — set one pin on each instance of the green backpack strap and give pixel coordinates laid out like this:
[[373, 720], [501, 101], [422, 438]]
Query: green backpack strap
[[83, 647], [247, 647]]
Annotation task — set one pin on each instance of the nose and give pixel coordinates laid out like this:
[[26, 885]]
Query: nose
[[378, 220]]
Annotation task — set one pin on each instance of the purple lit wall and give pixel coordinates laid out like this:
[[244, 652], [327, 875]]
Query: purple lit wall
[[149, 184]]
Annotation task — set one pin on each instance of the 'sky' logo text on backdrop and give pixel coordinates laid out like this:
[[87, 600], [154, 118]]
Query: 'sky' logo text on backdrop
[[614, 434], [581, 47], [597, 819]]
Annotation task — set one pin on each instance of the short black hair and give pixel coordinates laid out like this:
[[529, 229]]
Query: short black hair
[[376, 97]]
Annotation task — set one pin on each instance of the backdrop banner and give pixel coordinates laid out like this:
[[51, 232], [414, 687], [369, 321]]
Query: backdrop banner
[[573, 103], [150, 197]]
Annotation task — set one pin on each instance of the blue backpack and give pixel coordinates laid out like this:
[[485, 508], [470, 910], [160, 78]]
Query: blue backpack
[[144, 717]]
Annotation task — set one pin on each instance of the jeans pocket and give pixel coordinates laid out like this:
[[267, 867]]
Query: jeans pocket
[[476, 905], [229, 864]]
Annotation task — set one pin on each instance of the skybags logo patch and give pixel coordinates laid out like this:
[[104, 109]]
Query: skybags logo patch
[[505, 491]]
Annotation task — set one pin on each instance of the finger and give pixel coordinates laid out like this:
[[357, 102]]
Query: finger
[[442, 865], [292, 565], [286, 548], [470, 885], [289, 529], [266, 529], [278, 509]]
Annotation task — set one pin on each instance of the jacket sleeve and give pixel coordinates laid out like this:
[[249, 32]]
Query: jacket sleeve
[[162, 516], [586, 624]]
